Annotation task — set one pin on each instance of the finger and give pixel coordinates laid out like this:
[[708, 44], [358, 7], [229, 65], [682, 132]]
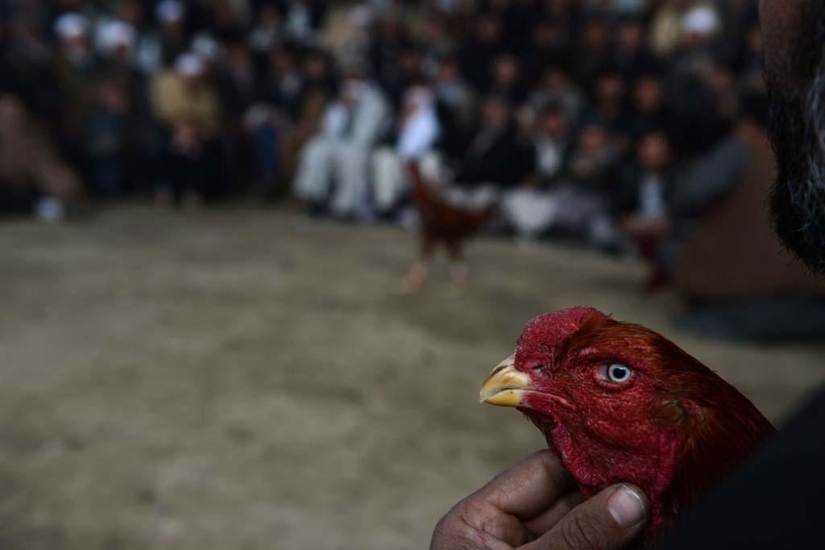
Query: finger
[[608, 521], [529, 488], [464, 528], [548, 519]]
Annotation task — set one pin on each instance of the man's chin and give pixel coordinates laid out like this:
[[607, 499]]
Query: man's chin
[[800, 224], [798, 195]]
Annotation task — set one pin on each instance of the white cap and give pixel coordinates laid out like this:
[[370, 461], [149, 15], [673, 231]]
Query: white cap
[[190, 65], [206, 47], [170, 11], [71, 25], [701, 20], [115, 34]]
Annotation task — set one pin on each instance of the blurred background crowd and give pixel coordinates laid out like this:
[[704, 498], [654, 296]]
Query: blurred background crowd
[[631, 126]]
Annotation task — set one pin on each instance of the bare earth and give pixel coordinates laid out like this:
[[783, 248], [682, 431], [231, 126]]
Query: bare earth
[[247, 379]]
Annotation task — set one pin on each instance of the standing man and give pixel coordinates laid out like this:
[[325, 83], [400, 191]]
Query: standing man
[[341, 152]]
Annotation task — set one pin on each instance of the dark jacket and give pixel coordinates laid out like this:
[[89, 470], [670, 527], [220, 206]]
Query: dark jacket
[[496, 157]]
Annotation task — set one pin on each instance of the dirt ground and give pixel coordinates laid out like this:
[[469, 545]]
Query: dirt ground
[[252, 379]]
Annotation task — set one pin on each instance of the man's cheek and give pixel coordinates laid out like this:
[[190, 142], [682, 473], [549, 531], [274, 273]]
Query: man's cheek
[[780, 21]]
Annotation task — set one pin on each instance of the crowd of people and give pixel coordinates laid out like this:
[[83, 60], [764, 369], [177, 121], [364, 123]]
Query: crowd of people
[[618, 124]]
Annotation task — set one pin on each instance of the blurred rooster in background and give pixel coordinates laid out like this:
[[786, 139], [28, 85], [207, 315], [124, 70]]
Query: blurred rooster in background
[[618, 402], [442, 222]]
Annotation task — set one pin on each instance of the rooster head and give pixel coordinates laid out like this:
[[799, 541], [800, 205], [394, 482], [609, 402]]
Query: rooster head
[[621, 403]]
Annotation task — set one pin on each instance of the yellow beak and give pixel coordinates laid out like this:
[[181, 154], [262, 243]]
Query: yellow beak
[[505, 386]]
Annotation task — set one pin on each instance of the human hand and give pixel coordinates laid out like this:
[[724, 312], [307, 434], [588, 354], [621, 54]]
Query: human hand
[[535, 505]]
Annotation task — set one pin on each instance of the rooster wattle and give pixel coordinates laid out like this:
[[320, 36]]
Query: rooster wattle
[[618, 402]]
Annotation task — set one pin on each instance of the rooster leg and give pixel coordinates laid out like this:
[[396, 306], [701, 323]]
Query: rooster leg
[[417, 275]]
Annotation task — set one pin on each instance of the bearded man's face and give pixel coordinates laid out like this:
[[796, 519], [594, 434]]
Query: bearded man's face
[[794, 35]]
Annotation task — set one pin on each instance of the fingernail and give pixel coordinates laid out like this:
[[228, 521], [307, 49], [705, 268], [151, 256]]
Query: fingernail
[[626, 507]]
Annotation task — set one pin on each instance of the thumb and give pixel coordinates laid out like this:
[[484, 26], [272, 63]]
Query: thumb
[[608, 521]]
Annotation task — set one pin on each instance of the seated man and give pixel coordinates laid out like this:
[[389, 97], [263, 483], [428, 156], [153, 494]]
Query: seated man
[[33, 177], [186, 105], [340, 153], [418, 131], [640, 202], [495, 160], [530, 209], [494, 154], [585, 186]]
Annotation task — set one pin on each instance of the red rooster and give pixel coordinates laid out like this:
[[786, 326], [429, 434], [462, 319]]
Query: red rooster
[[620, 403], [442, 223]]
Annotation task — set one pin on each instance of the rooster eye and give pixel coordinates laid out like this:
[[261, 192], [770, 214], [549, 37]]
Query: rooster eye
[[617, 373]]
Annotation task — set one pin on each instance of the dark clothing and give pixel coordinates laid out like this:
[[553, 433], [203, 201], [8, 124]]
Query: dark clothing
[[283, 92], [476, 59], [660, 120], [538, 59], [592, 174], [237, 91], [588, 65], [696, 109], [385, 54], [634, 64], [494, 156], [200, 172], [625, 197]]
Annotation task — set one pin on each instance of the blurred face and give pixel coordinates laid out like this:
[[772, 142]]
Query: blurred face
[[76, 43], [545, 35], [432, 30], [558, 7], [352, 87], [610, 89], [593, 140], [237, 55], [795, 78], [553, 78], [630, 37], [191, 82], [316, 67], [122, 53], [131, 11], [447, 72], [694, 41], [390, 27], [754, 41], [409, 62], [596, 36], [649, 95], [505, 71], [495, 113], [488, 29], [171, 27], [553, 123], [654, 152], [269, 17], [280, 61]]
